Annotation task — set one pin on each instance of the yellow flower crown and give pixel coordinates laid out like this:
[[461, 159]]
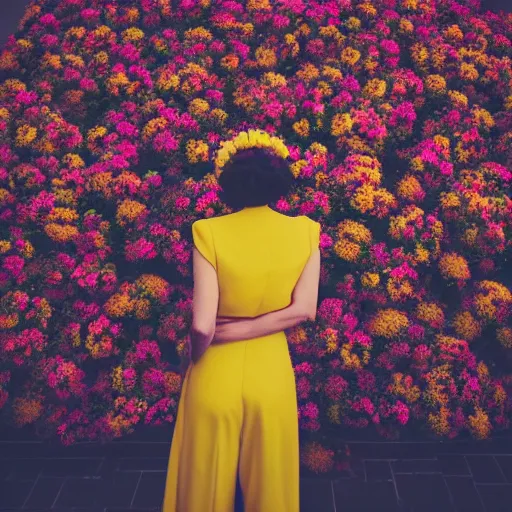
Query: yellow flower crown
[[247, 140]]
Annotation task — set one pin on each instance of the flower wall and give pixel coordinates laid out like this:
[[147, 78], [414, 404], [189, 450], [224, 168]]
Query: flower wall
[[398, 117]]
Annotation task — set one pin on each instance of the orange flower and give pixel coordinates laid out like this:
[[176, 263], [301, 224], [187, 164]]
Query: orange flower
[[317, 458], [454, 266], [479, 424], [466, 326], [388, 323]]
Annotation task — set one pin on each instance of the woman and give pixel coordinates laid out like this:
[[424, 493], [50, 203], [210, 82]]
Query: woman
[[256, 273]]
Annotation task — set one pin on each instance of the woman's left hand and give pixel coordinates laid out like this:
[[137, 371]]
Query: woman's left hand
[[228, 328]]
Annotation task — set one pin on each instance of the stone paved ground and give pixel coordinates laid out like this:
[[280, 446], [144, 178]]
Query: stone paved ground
[[130, 475]]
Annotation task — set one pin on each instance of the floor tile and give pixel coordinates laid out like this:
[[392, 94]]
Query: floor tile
[[505, 463], [25, 469], [316, 495], [143, 464], [424, 493], [117, 489], [150, 490], [496, 497], [378, 470], [358, 496], [485, 469], [13, 494], [44, 492], [77, 492], [464, 494], [414, 466], [71, 467], [453, 465]]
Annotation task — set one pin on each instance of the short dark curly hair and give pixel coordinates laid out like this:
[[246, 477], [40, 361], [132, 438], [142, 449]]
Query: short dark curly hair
[[254, 177]]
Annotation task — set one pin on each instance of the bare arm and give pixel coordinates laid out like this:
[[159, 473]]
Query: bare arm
[[302, 308], [205, 304]]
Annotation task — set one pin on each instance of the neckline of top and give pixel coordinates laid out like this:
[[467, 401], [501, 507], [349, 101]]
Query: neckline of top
[[264, 207]]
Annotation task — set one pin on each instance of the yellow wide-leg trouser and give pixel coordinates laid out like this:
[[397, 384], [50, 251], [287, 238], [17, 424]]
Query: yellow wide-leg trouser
[[237, 412]]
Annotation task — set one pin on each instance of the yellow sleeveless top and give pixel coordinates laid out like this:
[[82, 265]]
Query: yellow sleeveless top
[[259, 255]]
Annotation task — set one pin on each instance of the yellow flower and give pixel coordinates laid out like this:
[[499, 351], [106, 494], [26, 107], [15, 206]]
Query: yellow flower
[[479, 424], [152, 285], [398, 224], [167, 81], [421, 254], [198, 107], [440, 423], [331, 73], [350, 56], [458, 99], [219, 115], [348, 251], [61, 233], [370, 280], [504, 335], [489, 295], [399, 289], [308, 72], [435, 84], [293, 46], [129, 211], [409, 188], [350, 360], [317, 458], [449, 200], [246, 140], [375, 88], [341, 124], [388, 323], [258, 5], [454, 266], [9, 321], [198, 34], [405, 26], [403, 386], [367, 8], [197, 151], [483, 117], [230, 61], [500, 395], [132, 34], [63, 215], [430, 313], [266, 57], [350, 235], [273, 79], [410, 5], [466, 326], [298, 336], [353, 23], [117, 379], [118, 305], [25, 135], [73, 161], [26, 410], [419, 54], [333, 413], [301, 128], [142, 309], [5, 245], [468, 72]]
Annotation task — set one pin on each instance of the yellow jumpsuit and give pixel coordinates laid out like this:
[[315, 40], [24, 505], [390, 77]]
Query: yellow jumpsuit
[[238, 405]]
